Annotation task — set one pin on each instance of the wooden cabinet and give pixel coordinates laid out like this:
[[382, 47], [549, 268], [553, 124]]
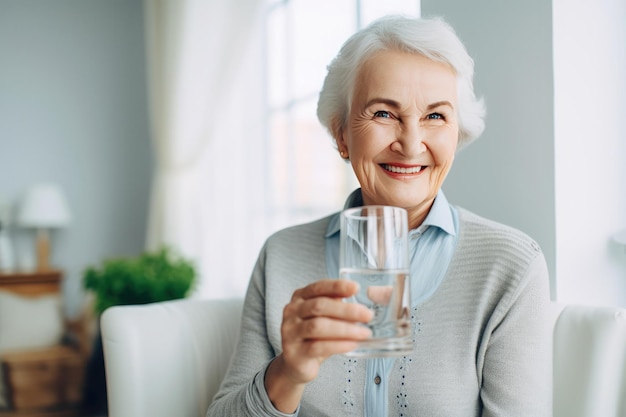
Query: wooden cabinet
[[44, 379], [32, 283], [45, 382]]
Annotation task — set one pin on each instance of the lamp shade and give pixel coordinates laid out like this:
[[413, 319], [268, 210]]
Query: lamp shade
[[44, 206]]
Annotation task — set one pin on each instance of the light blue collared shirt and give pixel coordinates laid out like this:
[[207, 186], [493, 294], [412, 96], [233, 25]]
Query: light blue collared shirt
[[431, 246]]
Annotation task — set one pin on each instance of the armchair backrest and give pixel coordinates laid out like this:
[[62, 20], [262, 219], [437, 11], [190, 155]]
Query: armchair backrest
[[167, 359], [590, 362]]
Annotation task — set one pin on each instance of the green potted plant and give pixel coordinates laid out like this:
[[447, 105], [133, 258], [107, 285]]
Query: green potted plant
[[150, 277]]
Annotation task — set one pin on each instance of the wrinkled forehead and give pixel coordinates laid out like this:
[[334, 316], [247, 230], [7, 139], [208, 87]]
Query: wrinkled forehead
[[405, 76]]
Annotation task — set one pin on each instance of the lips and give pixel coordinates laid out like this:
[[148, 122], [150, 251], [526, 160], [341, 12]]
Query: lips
[[402, 170]]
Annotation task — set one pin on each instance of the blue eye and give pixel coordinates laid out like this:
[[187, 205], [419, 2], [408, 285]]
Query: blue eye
[[383, 114], [435, 116]]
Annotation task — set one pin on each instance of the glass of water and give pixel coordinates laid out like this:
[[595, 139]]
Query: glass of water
[[374, 252]]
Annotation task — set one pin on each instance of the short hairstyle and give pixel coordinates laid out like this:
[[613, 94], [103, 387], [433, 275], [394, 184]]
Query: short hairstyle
[[432, 38]]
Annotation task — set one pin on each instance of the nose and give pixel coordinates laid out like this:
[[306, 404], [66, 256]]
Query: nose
[[409, 140]]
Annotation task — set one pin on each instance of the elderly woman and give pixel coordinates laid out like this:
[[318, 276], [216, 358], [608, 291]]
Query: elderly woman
[[399, 102]]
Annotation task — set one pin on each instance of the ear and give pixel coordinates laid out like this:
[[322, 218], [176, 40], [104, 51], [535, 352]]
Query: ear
[[338, 133]]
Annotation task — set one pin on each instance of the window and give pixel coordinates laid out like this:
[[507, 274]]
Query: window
[[306, 178], [277, 166]]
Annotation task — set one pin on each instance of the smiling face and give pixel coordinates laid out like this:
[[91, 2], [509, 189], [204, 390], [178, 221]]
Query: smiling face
[[402, 130]]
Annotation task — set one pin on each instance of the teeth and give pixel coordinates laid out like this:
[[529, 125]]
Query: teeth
[[400, 170]]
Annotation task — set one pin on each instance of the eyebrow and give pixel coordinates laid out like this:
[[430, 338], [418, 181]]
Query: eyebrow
[[395, 104], [380, 100], [438, 104]]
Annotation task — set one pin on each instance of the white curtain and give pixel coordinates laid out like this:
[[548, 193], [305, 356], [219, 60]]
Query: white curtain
[[199, 52]]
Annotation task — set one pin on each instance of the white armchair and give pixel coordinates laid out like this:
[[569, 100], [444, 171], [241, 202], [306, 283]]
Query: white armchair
[[167, 359], [590, 362]]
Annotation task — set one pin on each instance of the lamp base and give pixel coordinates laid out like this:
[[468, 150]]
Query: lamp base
[[43, 250]]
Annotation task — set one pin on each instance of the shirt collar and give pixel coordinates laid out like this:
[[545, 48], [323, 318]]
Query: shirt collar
[[439, 215]]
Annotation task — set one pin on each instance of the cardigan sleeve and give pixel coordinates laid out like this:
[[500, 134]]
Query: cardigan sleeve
[[242, 392], [517, 369]]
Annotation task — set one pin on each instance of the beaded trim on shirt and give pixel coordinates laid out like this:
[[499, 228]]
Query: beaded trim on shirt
[[405, 364], [347, 396]]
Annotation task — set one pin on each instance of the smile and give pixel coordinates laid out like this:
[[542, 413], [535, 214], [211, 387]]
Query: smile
[[402, 170]]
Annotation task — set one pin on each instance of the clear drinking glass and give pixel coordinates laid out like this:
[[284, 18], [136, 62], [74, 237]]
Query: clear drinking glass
[[374, 252]]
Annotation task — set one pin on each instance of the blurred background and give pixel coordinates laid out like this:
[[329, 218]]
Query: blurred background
[[193, 124]]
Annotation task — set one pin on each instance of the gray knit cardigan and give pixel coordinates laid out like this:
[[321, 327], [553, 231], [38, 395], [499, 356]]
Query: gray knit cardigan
[[483, 341]]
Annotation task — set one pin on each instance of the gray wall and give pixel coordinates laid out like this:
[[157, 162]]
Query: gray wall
[[590, 150], [508, 173], [73, 110]]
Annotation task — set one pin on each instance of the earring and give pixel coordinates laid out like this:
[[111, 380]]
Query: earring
[[343, 154]]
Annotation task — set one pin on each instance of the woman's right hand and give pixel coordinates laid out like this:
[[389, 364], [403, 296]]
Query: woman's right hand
[[317, 324]]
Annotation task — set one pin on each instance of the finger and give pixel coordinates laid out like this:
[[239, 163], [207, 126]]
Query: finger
[[320, 328], [338, 288], [327, 348], [380, 294], [333, 308]]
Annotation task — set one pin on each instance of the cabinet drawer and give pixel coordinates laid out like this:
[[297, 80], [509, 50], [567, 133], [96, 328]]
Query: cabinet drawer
[[44, 379]]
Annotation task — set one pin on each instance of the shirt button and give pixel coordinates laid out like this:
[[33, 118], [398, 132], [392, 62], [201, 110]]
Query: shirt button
[[377, 380]]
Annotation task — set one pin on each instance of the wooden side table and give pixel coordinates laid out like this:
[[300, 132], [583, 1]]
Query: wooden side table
[[32, 283], [41, 382]]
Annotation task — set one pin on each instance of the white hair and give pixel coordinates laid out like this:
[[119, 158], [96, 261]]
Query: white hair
[[432, 38]]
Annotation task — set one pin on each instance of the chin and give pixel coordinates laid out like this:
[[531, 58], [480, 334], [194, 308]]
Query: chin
[[401, 196], [409, 197]]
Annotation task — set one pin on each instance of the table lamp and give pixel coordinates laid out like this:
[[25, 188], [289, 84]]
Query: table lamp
[[43, 207], [6, 252]]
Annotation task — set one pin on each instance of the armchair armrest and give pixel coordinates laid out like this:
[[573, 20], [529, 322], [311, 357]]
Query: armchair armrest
[[167, 359]]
